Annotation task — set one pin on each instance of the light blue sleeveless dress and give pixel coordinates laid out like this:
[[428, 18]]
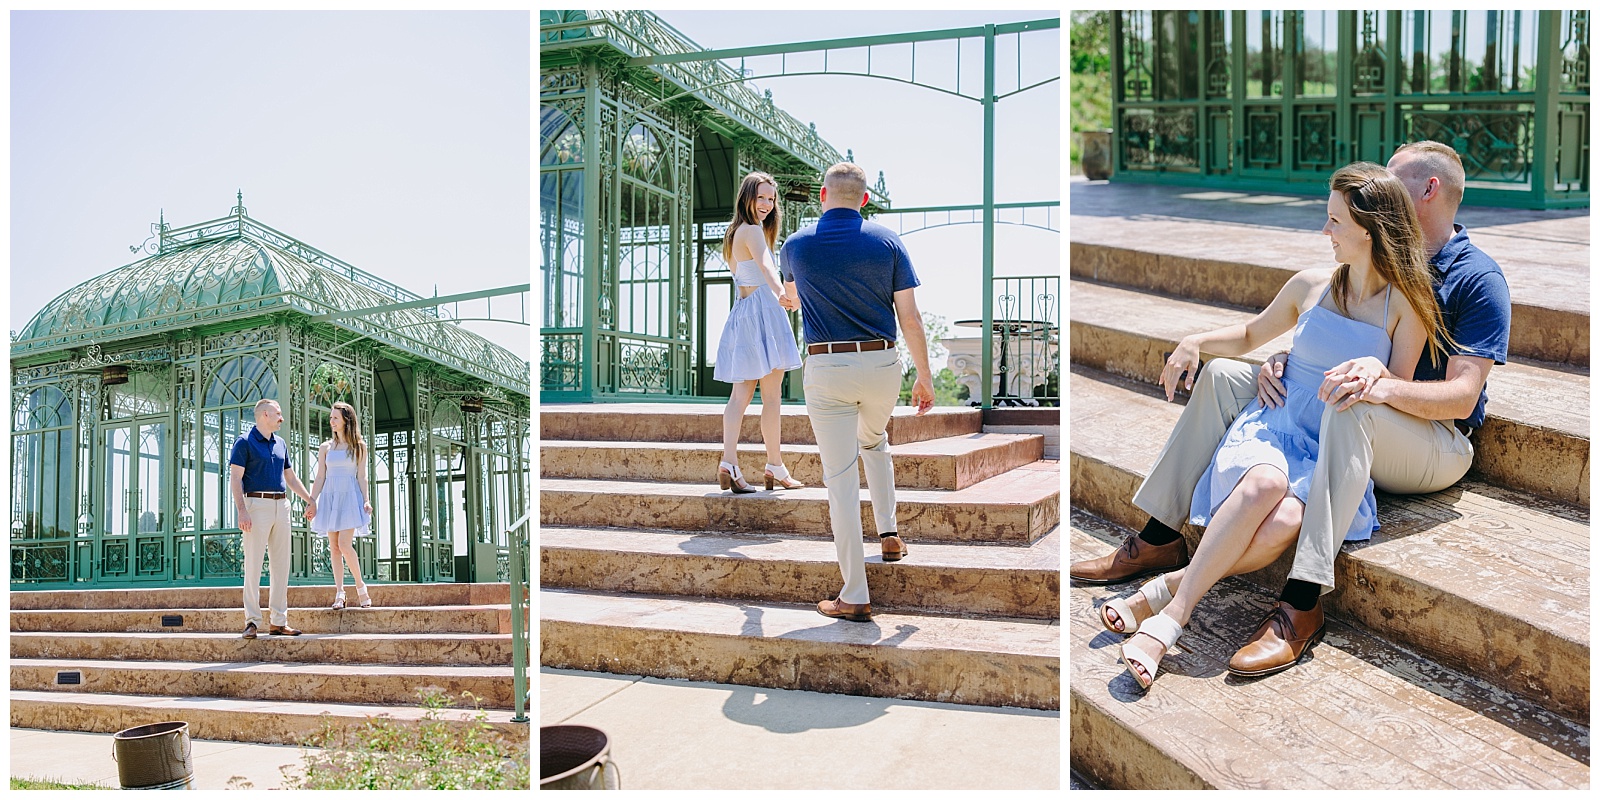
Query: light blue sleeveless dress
[[757, 338], [1286, 437], [339, 508]]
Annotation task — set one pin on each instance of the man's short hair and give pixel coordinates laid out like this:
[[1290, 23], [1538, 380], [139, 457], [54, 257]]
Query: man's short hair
[[263, 403], [846, 181], [1437, 160]]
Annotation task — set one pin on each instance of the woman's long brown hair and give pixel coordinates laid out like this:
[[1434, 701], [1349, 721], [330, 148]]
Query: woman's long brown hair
[[351, 434], [1380, 205], [744, 213]]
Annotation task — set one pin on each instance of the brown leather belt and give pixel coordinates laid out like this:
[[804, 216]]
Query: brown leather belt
[[267, 495], [849, 347]]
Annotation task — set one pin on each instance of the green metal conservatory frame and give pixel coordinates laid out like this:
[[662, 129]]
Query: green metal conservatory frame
[[644, 136], [1276, 100], [129, 390]]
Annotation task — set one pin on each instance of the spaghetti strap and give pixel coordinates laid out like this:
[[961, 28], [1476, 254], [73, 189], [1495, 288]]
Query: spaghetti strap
[[1386, 294]]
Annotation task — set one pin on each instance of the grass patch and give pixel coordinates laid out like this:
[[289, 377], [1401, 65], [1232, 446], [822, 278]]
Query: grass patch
[[30, 783], [383, 753]]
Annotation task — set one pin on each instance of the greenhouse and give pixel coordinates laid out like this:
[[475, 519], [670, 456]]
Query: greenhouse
[[129, 390]]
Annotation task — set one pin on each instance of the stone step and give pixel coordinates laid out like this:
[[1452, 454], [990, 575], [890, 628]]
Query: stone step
[[313, 683], [702, 422], [441, 619], [1244, 254], [1015, 508], [1358, 713], [992, 662], [389, 595], [1001, 581], [954, 462], [226, 718], [1483, 579], [444, 649], [1536, 438]]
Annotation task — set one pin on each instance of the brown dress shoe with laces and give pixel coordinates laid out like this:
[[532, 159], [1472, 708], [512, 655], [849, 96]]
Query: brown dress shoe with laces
[[282, 630], [1136, 558], [892, 547], [249, 630], [1282, 640], [850, 611]]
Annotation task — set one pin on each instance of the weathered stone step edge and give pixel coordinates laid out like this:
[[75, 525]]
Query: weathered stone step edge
[[327, 648], [390, 595], [964, 579], [951, 463], [1483, 639], [976, 662], [703, 423], [1537, 332], [967, 515], [1280, 740], [438, 619], [267, 722], [310, 683], [1536, 437]]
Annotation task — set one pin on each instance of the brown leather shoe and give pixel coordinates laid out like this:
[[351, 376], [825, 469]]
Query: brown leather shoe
[[1136, 558], [850, 611], [1282, 640], [893, 548], [249, 630], [282, 630]]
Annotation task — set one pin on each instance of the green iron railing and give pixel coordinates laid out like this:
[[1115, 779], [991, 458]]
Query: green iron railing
[[1027, 334], [518, 538]]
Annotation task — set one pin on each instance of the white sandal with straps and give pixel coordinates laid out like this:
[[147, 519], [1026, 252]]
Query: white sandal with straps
[[729, 477], [1163, 629], [779, 474], [1155, 594]]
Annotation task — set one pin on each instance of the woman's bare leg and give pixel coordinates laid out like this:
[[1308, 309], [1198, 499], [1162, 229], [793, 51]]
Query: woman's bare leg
[[1227, 537], [733, 417], [347, 544], [336, 555], [772, 416]]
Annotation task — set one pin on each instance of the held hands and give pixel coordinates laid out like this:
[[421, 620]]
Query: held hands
[[1184, 359], [789, 302], [1351, 382], [1269, 388], [922, 395], [311, 510]]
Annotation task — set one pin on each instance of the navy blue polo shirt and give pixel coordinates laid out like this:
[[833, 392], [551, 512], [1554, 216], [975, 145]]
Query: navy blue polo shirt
[[264, 461], [1476, 304], [846, 271]]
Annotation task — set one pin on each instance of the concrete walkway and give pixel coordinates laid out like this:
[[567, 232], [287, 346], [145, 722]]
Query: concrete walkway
[[85, 758], [668, 734]]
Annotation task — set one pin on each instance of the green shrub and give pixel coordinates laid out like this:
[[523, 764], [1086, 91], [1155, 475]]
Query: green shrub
[[383, 753]]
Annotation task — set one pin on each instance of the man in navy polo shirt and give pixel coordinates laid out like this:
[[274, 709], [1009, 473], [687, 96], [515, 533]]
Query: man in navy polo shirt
[[853, 279], [1408, 437], [261, 471]]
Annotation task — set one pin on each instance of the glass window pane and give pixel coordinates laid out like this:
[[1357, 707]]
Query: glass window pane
[[1372, 53], [1318, 60], [1263, 53], [1219, 49], [1137, 81]]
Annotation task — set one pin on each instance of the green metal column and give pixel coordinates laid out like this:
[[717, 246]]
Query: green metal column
[[591, 227], [1546, 86], [988, 216]]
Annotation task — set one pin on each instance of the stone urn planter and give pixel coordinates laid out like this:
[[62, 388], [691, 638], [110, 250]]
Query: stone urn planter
[[1096, 154]]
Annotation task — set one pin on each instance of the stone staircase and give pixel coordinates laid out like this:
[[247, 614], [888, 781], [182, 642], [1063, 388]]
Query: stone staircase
[[109, 659], [647, 568], [1457, 652]]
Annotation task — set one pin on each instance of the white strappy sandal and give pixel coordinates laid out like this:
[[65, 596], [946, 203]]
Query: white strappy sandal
[[729, 477], [1163, 629], [779, 474], [1155, 594]]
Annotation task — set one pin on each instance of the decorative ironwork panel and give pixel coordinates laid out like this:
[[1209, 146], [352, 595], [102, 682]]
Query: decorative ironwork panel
[[152, 557], [114, 558], [1219, 53], [643, 367], [224, 555], [1372, 54], [1575, 51], [1263, 147], [1494, 146], [1137, 82], [1314, 139], [38, 563], [560, 362]]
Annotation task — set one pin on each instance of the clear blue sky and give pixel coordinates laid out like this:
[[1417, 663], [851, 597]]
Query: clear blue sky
[[929, 145], [397, 141]]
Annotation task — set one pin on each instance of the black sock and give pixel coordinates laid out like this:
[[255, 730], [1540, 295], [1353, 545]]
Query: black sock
[[887, 533], [1302, 595], [1157, 533]]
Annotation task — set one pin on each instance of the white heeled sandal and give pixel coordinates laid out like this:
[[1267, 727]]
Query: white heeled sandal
[[1155, 594], [1163, 629], [729, 477], [338, 600], [362, 598], [779, 474]]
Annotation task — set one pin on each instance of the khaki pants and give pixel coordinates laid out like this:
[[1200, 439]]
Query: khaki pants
[[849, 397], [1402, 454], [269, 531]]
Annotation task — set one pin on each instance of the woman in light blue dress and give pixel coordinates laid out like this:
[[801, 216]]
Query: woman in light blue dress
[[343, 510], [757, 342], [1251, 497]]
